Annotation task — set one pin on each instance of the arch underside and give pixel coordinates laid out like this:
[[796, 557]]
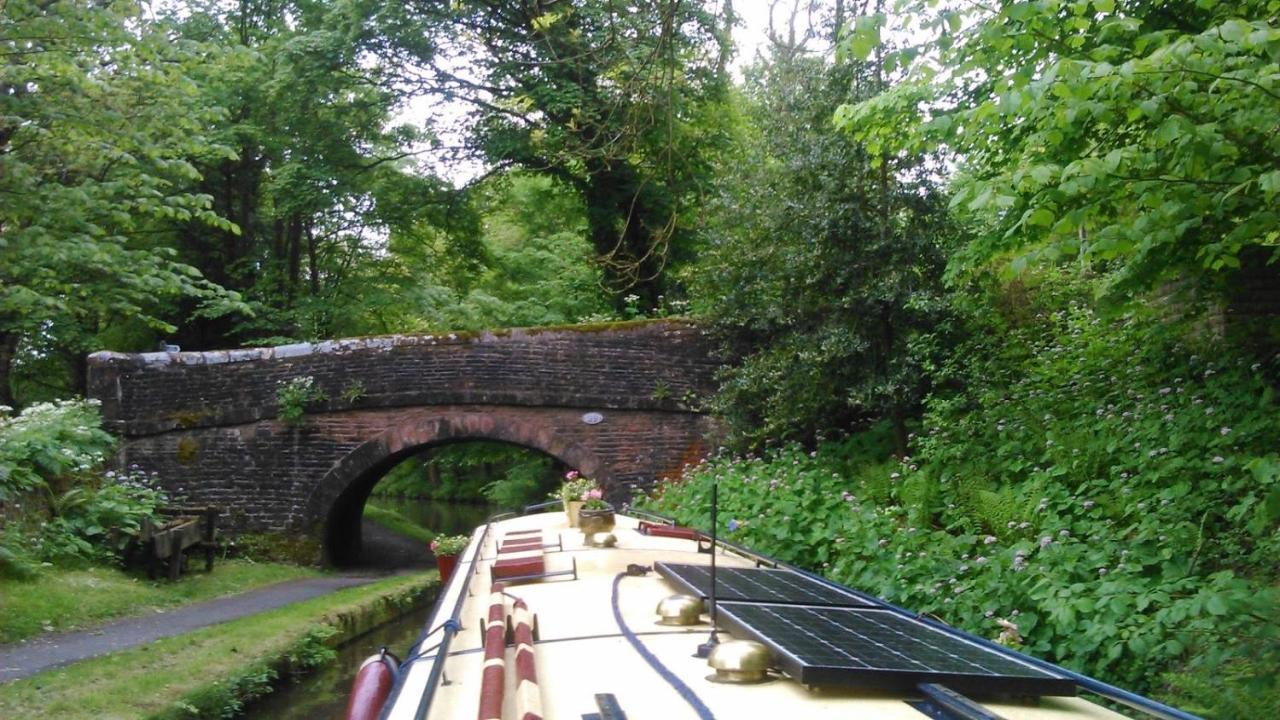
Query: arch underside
[[339, 498]]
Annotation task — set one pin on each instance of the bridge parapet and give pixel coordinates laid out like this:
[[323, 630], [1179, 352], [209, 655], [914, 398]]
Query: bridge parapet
[[654, 365]]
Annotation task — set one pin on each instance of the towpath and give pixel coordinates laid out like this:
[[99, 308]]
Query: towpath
[[384, 550], [46, 652]]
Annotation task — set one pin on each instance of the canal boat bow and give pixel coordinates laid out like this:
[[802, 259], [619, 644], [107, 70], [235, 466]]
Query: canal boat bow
[[542, 620]]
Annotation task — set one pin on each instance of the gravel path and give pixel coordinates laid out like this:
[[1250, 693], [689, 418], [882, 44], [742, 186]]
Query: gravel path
[[383, 551]]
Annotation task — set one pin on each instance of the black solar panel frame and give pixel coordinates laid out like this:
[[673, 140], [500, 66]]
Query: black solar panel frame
[[840, 676], [848, 598]]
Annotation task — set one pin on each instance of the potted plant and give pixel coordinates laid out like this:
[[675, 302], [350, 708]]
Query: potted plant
[[596, 515], [571, 494], [446, 549]]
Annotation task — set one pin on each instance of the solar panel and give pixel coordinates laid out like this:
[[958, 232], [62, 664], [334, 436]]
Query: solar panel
[[876, 648], [759, 585]]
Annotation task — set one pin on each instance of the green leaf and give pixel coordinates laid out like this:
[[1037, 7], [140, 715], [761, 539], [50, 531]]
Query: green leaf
[[865, 36]]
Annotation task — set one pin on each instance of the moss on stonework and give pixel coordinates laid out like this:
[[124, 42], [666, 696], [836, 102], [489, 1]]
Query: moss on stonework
[[188, 451], [186, 418]]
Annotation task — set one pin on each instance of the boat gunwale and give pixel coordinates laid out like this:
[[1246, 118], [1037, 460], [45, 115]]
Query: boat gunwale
[[449, 627]]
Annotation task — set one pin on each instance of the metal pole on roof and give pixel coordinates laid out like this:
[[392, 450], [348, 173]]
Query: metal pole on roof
[[705, 648]]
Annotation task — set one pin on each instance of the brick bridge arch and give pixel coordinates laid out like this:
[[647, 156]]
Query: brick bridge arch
[[340, 495], [620, 402]]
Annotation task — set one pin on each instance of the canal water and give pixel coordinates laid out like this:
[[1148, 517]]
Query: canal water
[[450, 518], [322, 695]]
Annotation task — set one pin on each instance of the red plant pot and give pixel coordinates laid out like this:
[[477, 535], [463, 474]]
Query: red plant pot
[[446, 564]]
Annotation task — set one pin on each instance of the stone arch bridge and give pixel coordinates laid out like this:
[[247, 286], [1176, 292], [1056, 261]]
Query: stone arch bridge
[[619, 402]]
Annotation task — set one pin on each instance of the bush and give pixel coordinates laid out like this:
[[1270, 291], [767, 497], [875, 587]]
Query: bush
[[57, 507], [293, 396], [1101, 483], [47, 442]]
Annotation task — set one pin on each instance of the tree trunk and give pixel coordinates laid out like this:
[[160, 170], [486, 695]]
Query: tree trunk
[[313, 269], [898, 417], [629, 232], [8, 348], [80, 373]]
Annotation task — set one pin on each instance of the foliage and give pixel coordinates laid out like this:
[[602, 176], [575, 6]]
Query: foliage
[[533, 266], [616, 101], [822, 278], [100, 130], [48, 441], [1141, 134], [1104, 484], [575, 487], [449, 544], [294, 395], [521, 483], [323, 178], [55, 506], [95, 521], [507, 475]]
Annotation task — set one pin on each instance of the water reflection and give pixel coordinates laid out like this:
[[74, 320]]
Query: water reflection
[[450, 518]]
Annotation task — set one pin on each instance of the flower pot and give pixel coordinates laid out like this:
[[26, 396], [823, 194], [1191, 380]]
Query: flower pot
[[571, 509], [594, 521], [446, 564]]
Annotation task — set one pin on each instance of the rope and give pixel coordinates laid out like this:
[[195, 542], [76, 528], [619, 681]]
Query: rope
[[415, 654], [418, 655], [686, 692]]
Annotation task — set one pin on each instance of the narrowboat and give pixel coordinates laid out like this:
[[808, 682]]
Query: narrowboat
[[638, 618]]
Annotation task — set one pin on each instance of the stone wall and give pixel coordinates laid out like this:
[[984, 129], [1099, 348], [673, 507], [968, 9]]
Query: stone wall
[[621, 403], [648, 365]]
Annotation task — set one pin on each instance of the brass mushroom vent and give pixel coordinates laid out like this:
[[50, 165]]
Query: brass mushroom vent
[[680, 610], [739, 662], [602, 540]]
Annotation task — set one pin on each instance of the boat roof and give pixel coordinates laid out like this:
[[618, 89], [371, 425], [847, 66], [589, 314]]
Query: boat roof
[[588, 620]]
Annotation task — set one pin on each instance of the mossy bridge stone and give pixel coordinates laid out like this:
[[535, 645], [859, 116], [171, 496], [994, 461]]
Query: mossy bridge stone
[[620, 402]]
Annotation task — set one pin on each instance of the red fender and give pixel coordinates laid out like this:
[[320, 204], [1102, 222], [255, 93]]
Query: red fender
[[371, 687]]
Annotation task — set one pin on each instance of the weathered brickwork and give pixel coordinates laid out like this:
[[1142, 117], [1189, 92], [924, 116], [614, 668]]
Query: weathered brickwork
[[207, 421]]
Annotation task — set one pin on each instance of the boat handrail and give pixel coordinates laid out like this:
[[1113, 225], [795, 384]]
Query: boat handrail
[[647, 515], [540, 506], [748, 553], [450, 629]]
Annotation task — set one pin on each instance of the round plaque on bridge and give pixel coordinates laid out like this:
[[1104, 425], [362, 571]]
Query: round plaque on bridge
[[593, 418]]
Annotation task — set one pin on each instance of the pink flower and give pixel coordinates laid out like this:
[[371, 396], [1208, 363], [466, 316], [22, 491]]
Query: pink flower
[[593, 494], [571, 475]]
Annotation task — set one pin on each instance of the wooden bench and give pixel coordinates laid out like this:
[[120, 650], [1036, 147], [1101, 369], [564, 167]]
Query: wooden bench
[[183, 528]]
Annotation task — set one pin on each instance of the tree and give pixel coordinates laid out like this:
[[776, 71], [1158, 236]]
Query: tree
[[1139, 137], [322, 182], [823, 278], [617, 100], [98, 134]]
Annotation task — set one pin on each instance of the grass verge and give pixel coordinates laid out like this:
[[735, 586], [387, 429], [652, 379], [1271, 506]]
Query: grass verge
[[397, 523], [212, 672], [58, 599]]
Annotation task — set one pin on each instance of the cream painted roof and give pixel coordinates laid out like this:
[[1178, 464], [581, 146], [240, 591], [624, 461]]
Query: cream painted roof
[[581, 650]]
